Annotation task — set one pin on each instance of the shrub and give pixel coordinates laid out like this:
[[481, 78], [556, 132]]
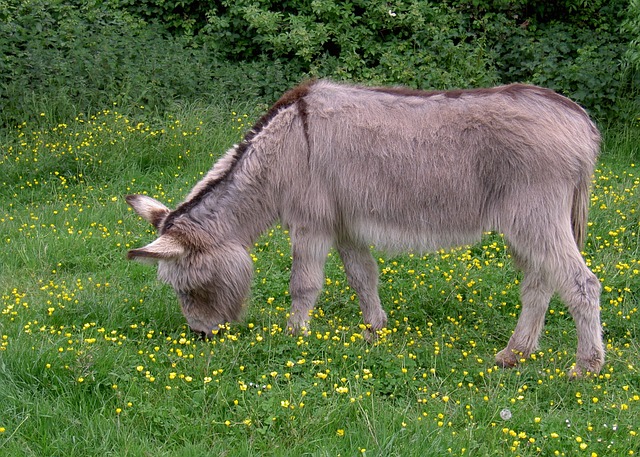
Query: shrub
[[61, 58], [419, 44], [576, 62], [572, 46], [68, 57], [631, 26]]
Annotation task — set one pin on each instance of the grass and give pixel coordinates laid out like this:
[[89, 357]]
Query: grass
[[96, 360]]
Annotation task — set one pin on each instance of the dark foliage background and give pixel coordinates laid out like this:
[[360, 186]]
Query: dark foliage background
[[66, 57]]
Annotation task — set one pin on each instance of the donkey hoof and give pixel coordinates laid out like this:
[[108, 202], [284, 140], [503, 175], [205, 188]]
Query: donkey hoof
[[209, 334], [585, 368], [371, 335], [577, 372], [298, 328], [374, 327], [507, 358]]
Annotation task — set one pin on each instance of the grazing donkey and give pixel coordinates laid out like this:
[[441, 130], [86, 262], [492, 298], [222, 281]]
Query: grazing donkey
[[351, 167]]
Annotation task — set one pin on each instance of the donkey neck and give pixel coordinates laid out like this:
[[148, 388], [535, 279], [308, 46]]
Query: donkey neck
[[232, 204], [237, 198]]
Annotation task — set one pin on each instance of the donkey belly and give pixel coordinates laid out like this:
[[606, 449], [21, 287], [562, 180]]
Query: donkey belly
[[413, 211], [391, 236]]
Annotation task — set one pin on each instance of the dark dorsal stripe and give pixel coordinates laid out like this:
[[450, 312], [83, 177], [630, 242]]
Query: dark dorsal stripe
[[291, 97], [512, 90]]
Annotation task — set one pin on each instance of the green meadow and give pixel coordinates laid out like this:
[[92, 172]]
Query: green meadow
[[96, 359]]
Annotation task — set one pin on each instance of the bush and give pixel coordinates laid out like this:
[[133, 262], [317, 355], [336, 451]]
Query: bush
[[419, 44], [631, 26], [583, 65], [571, 46], [67, 57], [62, 59]]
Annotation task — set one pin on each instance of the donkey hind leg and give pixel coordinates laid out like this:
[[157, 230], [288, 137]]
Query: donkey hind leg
[[579, 289], [307, 273], [362, 273], [562, 269], [535, 294]]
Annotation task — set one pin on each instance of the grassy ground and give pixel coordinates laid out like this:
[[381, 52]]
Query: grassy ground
[[95, 358]]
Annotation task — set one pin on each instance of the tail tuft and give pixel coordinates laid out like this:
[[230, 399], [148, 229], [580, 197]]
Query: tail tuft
[[580, 211]]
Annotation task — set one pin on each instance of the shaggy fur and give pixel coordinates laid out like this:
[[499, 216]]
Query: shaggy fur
[[351, 167]]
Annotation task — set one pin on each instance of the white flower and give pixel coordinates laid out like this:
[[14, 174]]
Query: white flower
[[505, 414], [392, 13]]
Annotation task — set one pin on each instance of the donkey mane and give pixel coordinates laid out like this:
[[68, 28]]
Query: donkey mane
[[225, 167]]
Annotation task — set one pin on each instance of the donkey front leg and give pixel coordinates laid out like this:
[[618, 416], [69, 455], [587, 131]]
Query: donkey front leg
[[362, 273], [535, 294], [309, 251]]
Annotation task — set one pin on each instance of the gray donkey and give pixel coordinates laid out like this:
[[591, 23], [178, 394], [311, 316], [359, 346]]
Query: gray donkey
[[350, 167]]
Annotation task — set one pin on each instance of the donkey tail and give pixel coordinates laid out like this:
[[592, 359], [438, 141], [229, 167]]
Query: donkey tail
[[582, 191], [580, 210]]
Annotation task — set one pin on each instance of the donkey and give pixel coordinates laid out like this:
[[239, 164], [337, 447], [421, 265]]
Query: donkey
[[350, 167]]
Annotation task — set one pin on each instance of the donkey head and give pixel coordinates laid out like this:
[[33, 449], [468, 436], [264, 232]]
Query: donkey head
[[210, 275]]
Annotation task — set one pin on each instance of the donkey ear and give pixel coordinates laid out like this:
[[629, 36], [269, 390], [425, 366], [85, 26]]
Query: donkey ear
[[164, 248], [150, 209]]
